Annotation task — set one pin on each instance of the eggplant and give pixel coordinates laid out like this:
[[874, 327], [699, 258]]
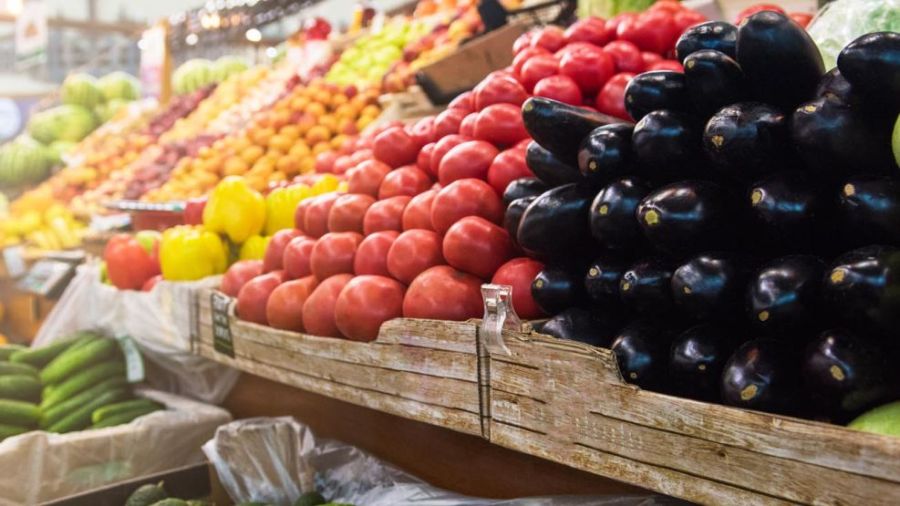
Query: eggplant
[[612, 220], [577, 324], [697, 358], [606, 153], [601, 281], [645, 287], [837, 140], [834, 84], [871, 63], [556, 224], [513, 215], [787, 211], [761, 375], [666, 144], [713, 80], [642, 353], [844, 374], [783, 296], [523, 187], [711, 286], [869, 210], [780, 60], [861, 290], [654, 90], [560, 127], [716, 35], [548, 168], [556, 288], [688, 217], [747, 140]]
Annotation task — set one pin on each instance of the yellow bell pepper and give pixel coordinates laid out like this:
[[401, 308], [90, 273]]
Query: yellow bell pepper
[[254, 248], [326, 183], [280, 206], [235, 209], [187, 253]]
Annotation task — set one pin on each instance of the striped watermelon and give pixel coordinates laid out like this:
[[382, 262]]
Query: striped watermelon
[[81, 89]]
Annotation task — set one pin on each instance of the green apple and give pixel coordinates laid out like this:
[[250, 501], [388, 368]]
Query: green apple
[[896, 141], [883, 420]]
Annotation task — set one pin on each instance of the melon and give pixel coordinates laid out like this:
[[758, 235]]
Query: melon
[[81, 89], [62, 123], [23, 161], [119, 86], [108, 110], [192, 75], [227, 66]]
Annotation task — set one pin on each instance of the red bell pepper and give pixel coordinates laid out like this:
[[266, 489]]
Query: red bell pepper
[[132, 260]]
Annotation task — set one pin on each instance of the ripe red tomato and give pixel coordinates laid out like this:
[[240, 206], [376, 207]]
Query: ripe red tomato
[[366, 177], [552, 38], [418, 212], [423, 161], [464, 101], [522, 42], [274, 256], [342, 164], [300, 214], [422, 131], [672, 65], [650, 31], [476, 246], [443, 293], [315, 219], [333, 254], [519, 273], [687, 18], [253, 296], [395, 147], [523, 56], [611, 99], [414, 252], [284, 309], [589, 68], [409, 180], [753, 9], [238, 275], [296, 257], [626, 56], [537, 68], [612, 24], [466, 197], [325, 161], [318, 310], [501, 125], [347, 213], [467, 160], [561, 88], [801, 18], [361, 155], [672, 6], [442, 147], [498, 88], [371, 256], [467, 127], [650, 58], [447, 123], [385, 215], [591, 30], [365, 303], [507, 167]]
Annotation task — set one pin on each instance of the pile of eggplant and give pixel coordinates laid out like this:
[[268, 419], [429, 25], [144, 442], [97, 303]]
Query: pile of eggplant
[[740, 243]]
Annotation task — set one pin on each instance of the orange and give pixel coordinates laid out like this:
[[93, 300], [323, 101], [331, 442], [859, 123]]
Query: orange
[[277, 176], [289, 165], [292, 132], [252, 154], [299, 103], [338, 140], [280, 118], [345, 111], [305, 122], [347, 126], [322, 96], [320, 148], [261, 136], [328, 121], [280, 143], [307, 165], [317, 134], [316, 109], [370, 110], [363, 122], [299, 150]]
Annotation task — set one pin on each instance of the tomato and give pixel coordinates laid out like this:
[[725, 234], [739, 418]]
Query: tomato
[[672, 6], [361, 155], [507, 167], [409, 180], [238, 275], [151, 283], [626, 56], [132, 260], [612, 24], [325, 161], [477, 246], [537, 68], [333, 254], [801, 18], [524, 56], [522, 42], [423, 161], [413, 252], [342, 164], [274, 256], [753, 9], [418, 212], [561, 88], [366, 177], [296, 257], [464, 102], [300, 214], [611, 99], [498, 88], [315, 219], [467, 127], [442, 147], [444, 293], [422, 131], [371, 256], [519, 273], [253, 296], [591, 30], [385, 215], [395, 147], [687, 18], [318, 310], [347, 213], [284, 309], [672, 65], [589, 68], [467, 160], [365, 303], [500, 124], [650, 58], [466, 197], [447, 123], [550, 37]]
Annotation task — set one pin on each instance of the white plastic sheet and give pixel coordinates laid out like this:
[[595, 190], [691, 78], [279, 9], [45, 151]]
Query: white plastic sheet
[[39, 466], [842, 21], [274, 460], [160, 322]]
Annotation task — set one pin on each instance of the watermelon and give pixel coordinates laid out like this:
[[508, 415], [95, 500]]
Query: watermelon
[[58, 149], [23, 161], [108, 110], [81, 89], [192, 75], [227, 66], [62, 123], [119, 85]]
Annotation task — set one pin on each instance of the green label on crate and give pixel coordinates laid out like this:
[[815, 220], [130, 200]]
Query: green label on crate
[[134, 365], [221, 324]]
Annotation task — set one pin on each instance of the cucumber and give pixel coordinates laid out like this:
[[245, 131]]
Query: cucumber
[[39, 357], [52, 415], [310, 499], [147, 495], [20, 387], [81, 417], [77, 359], [122, 407], [124, 417], [19, 413], [81, 381], [11, 368], [11, 430], [171, 502], [8, 349]]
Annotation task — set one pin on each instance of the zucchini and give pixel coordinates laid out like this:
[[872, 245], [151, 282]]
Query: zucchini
[[122, 407], [78, 358], [19, 413], [12, 368], [123, 417], [39, 357], [50, 416], [20, 387], [81, 417], [11, 430], [81, 381], [8, 349]]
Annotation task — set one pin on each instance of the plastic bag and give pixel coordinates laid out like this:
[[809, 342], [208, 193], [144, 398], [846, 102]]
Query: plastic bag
[[274, 460], [40, 466], [842, 21], [159, 321]]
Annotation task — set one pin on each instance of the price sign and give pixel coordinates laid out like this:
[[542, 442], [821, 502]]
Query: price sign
[[221, 324], [47, 278]]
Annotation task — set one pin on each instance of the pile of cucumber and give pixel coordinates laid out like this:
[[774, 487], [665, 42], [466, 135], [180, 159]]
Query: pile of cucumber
[[154, 494], [70, 385]]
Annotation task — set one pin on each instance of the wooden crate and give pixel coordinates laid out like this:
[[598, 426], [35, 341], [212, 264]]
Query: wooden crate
[[419, 369], [567, 402]]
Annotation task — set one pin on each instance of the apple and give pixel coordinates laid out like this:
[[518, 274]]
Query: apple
[[589, 67], [537, 68], [254, 295], [273, 259], [284, 309], [561, 88], [238, 275]]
